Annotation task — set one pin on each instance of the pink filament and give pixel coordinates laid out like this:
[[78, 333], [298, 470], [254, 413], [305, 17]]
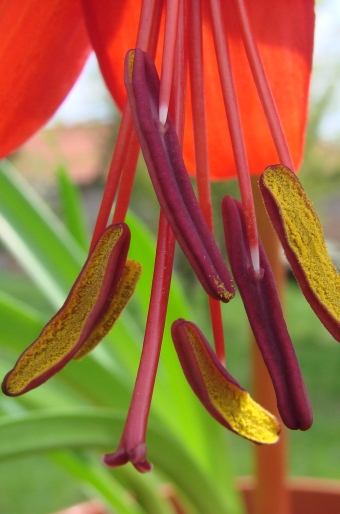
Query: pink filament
[[171, 25], [263, 88], [201, 150], [126, 181], [146, 40], [118, 159], [235, 127]]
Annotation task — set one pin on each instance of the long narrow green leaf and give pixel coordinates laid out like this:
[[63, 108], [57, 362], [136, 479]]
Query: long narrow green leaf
[[52, 257], [100, 480], [36, 237], [72, 212], [20, 324], [98, 428]]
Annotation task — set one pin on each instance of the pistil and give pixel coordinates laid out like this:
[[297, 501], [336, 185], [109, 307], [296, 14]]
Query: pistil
[[132, 445]]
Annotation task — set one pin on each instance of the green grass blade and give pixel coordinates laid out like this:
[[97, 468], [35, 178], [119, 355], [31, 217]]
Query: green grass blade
[[71, 209], [36, 237], [100, 480], [98, 428]]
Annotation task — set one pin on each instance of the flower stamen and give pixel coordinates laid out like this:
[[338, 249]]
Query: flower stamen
[[263, 87], [235, 127], [172, 185], [266, 319], [300, 232], [201, 149], [217, 390], [168, 59], [78, 318]]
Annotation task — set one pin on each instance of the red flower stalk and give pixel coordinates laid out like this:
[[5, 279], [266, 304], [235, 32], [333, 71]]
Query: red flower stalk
[[249, 65]]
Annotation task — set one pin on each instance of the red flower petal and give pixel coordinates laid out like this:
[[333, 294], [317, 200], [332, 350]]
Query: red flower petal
[[112, 27], [284, 33], [44, 47]]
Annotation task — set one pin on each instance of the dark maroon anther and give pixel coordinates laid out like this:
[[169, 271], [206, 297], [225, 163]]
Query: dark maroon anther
[[266, 319], [170, 179]]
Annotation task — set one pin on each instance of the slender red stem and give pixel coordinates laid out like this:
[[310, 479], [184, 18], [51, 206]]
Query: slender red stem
[[217, 327], [179, 77], [146, 40], [263, 87], [149, 22], [171, 25], [118, 159], [201, 150], [126, 181], [235, 127], [199, 111], [136, 422]]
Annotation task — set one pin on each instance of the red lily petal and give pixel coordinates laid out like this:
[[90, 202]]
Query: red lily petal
[[112, 27], [284, 33], [43, 50]]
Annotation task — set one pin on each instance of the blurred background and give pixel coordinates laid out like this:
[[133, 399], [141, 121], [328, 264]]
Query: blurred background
[[80, 139]]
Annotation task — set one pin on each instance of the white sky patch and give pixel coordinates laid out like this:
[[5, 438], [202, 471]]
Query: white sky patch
[[88, 101], [326, 75]]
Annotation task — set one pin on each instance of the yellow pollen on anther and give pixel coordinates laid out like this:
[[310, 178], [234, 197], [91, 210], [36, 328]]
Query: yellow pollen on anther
[[126, 287], [246, 417], [131, 60], [305, 236], [61, 334]]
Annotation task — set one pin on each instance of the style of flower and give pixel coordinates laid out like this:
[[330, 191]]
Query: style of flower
[[249, 67]]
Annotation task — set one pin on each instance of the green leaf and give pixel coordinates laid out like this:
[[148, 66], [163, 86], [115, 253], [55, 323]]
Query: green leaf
[[98, 428], [100, 480], [72, 212], [20, 324], [52, 258], [35, 236]]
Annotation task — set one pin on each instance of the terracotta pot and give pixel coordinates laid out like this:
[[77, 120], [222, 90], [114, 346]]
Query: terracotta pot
[[307, 495]]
